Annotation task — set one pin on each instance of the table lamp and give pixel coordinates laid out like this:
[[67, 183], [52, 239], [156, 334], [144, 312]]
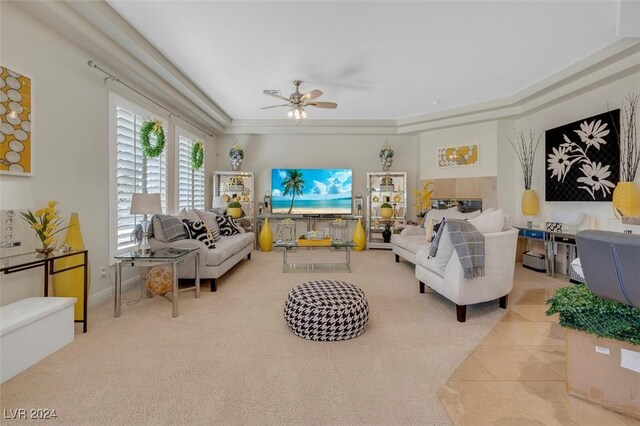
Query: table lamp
[[145, 204], [219, 205], [14, 195]]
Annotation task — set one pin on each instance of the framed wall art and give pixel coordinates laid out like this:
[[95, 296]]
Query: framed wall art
[[582, 159], [456, 156], [16, 150]]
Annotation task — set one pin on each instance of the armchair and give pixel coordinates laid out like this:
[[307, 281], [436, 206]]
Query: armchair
[[497, 282]]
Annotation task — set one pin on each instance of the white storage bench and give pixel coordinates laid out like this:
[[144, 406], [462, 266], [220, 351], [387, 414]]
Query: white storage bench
[[31, 329]]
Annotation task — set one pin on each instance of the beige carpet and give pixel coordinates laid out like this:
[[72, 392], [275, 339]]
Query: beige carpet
[[229, 357]]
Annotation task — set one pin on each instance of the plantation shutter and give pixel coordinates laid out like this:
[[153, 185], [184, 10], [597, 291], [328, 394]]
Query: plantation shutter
[[130, 174], [190, 182]]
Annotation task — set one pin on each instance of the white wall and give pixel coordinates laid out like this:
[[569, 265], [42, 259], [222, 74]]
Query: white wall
[[596, 101], [357, 152], [483, 134], [70, 142]]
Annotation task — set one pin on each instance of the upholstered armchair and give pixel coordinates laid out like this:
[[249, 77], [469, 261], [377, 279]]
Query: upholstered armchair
[[444, 273]]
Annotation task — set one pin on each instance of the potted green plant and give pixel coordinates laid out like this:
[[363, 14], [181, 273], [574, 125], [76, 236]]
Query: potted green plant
[[234, 209], [386, 210]]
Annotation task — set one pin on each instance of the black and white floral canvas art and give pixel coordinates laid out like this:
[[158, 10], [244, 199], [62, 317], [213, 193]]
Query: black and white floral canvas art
[[583, 159]]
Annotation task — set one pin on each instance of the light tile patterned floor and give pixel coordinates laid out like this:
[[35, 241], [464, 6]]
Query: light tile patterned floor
[[516, 376]]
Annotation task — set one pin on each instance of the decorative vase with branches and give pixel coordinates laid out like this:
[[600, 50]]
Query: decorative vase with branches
[[626, 196], [525, 145]]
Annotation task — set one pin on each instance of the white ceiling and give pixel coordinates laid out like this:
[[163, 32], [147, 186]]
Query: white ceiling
[[377, 60]]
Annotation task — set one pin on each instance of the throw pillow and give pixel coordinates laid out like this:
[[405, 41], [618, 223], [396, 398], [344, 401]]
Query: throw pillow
[[445, 248], [210, 221], [489, 222], [227, 226], [432, 228], [188, 214], [196, 230], [167, 228]]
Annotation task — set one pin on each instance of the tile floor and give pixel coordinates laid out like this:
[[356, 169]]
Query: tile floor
[[516, 376]]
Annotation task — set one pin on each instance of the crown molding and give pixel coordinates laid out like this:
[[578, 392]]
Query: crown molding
[[313, 126], [96, 28], [618, 60]]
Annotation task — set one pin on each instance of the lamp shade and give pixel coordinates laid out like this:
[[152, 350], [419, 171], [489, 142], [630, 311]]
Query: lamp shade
[[15, 195], [219, 203], [145, 204]]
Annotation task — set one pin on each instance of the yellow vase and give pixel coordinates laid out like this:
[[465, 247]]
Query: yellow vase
[[386, 212], [266, 237], [530, 203], [626, 199], [234, 212], [359, 236], [71, 283]]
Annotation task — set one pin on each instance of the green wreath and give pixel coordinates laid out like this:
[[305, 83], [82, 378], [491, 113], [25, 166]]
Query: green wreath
[[149, 127], [197, 155]]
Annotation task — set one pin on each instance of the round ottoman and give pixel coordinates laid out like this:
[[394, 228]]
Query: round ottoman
[[326, 310]]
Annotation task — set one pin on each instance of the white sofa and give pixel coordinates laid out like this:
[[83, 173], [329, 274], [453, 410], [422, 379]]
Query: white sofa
[[228, 251], [413, 238], [444, 274]]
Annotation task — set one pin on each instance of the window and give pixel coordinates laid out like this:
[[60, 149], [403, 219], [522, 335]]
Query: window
[[190, 181], [133, 172]]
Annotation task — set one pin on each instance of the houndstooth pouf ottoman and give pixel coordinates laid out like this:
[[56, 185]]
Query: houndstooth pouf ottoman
[[326, 310]]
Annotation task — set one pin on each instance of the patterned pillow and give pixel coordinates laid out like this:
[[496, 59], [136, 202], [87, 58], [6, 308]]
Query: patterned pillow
[[210, 222], [227, 226], [196, 230], [167, 228]]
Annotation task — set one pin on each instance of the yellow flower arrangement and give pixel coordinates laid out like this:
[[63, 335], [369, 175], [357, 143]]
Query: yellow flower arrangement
[[423, 199], [45, 222]]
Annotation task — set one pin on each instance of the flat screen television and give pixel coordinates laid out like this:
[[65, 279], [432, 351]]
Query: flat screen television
[[311, 191]]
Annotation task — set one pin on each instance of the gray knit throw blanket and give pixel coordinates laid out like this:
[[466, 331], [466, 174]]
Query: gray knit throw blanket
[[468, 243]]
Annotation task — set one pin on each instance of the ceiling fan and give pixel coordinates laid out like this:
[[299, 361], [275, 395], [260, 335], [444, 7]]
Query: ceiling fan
[[297, 101]]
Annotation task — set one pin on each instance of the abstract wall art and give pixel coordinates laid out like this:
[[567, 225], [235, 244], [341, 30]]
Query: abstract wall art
[[582, 159], [455, 156], [16, 152]]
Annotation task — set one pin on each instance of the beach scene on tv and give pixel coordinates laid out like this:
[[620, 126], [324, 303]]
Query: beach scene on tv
[[311, 191]]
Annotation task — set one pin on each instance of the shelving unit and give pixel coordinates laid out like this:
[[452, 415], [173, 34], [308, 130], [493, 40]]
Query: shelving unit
[[384, 187], [238, 186]]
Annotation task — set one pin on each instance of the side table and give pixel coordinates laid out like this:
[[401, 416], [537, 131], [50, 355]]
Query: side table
[[172, 256]]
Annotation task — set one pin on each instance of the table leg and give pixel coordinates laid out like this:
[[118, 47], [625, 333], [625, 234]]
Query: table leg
[[85, 296], [118, 289], [174, 267], [197, 275], [348, 250], [46, 279], [284, 260]]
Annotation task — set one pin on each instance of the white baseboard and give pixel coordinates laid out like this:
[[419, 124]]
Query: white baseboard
[[107, 293]]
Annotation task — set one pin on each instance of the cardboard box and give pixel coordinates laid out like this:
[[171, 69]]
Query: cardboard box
[[594, 372]]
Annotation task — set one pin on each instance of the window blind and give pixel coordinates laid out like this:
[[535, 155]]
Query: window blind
[[190, 181], [134, 173]]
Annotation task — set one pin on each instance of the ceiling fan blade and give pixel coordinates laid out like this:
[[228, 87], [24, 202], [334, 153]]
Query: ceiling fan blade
[[276, 106], [275, 96], [331, 105], [312, 94]]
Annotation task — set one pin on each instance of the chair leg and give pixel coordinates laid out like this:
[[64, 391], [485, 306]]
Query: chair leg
[[249, 256], [503, 301], [397, 258], [214, 285], [421, 287], [461, 313]]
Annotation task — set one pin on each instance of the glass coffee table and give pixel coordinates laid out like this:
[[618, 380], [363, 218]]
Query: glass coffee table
[[163, 256], [336, 245]]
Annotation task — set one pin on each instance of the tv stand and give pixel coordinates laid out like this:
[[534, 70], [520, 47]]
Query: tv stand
[[310, 220]]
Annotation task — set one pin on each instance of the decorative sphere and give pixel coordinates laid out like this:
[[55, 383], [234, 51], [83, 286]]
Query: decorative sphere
[[160, 280]]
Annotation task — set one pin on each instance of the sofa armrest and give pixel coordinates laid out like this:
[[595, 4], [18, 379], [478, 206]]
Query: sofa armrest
[[412, 230]]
